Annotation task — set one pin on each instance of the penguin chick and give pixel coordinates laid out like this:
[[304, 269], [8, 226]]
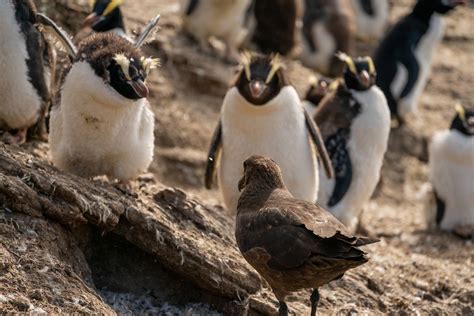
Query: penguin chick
[[403, 58], [452, 172], [223, 19], [103, 124], [355, 125], [328, 27], [371, 17], [293, 244], [28, 62], [318, 89], [275, 24], [106, 16], [262, 114]]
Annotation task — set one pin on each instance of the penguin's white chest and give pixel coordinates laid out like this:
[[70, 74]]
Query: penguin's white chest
[[424, 55], [19, 102], [276, 130], [96, 131], [452, 176], [369, 133]]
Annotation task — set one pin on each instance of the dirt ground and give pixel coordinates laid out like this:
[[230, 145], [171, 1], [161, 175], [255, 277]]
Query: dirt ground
[[413, 270]]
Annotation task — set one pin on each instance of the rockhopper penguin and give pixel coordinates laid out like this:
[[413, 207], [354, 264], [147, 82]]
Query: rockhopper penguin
[[452, 172], [262, 114], [28, 64], [403, 59], [103, 124], [355, 124], [328, 27], [293, 244]]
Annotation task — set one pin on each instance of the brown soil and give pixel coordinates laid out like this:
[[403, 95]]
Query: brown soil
[[45, 267]]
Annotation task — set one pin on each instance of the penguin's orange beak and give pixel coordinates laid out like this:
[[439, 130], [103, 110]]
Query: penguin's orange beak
[[365, 78], [140, 88], [92, 19], [256, 88]]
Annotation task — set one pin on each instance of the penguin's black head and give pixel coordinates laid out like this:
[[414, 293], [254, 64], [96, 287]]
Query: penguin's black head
[[118, 63], [105, 15], [426, 7], [444, 6], [360, 74], [463, 122], [261, 78], [318, 89]]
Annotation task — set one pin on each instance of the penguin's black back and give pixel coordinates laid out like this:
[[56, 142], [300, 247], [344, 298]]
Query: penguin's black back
[[25, 15], [399, 44]]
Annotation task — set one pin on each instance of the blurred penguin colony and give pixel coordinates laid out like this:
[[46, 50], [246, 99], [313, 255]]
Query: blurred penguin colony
[[325, 148]]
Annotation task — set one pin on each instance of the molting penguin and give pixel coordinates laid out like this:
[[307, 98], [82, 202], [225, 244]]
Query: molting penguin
[[293, 244], [371, 17], [103, 124], [328, 27], [452, 172], [262, 114], [28, 64], [404, 57], [106, 16], [223, 19], [318, 89], [275, 24], [355, 124]]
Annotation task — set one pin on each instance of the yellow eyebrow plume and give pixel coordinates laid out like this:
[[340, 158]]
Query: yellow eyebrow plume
[[276, 64], [461, 112], [124, 63], [111, 6]]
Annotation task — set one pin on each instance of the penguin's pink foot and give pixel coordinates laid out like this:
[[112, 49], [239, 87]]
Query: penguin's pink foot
[[17, 138]]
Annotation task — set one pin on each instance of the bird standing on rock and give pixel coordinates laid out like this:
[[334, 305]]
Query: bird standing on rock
[[403, 58], [452, 172], [293, 244], [103, 124], [355, 125], [262, 114], [28, 64]]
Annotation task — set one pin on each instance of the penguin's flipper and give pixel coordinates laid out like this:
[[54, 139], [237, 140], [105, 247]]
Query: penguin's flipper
[[50, 63], [214, 150], [440, 208], [192, 5], [317, 139], [141, 39], [410, 62], [367, 6], [336, 145], [58, 33]]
